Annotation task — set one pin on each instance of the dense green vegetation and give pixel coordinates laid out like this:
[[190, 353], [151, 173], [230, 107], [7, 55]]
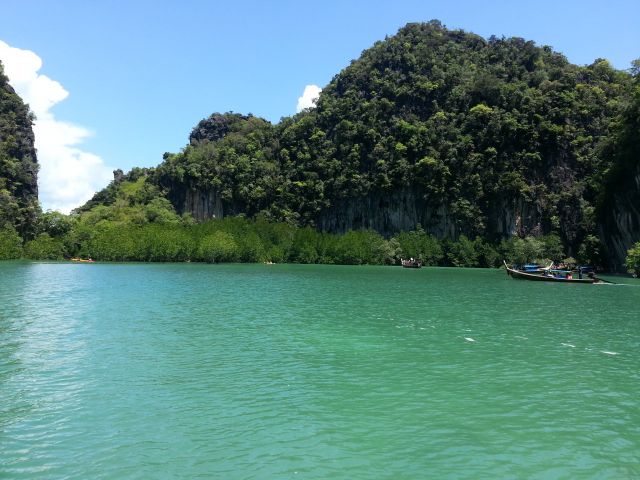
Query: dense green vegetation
[[139, 225], [18, 166], [633, 259], [136, 228], [10, 244], [481, 129], [434, 144]]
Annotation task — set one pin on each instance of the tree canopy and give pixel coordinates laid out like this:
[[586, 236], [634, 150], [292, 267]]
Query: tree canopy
[[494, 137]]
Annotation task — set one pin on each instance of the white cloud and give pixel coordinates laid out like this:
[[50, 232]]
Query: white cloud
[[68, 175], [309, 97]]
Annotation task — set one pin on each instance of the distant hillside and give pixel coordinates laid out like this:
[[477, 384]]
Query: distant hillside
[[436, 127], [18, 163]]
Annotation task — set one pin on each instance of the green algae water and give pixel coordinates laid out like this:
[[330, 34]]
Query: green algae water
[[112, 371]]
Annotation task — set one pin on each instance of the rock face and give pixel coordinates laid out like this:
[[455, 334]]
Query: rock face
[[402, 210], [620, 226], [200, 204], [619, 205], [388, 214], [399, 210], [18, 163]]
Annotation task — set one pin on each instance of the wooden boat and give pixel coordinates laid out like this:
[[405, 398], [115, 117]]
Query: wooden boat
[[411, 263], [547, 276]]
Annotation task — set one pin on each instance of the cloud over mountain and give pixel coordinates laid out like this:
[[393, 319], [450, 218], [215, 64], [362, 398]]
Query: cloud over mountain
[[308, 98], [68, 176]]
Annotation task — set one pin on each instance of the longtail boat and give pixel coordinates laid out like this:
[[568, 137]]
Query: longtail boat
[[548, 276]]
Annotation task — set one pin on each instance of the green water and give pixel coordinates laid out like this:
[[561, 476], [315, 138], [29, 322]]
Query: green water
[[112, 371]]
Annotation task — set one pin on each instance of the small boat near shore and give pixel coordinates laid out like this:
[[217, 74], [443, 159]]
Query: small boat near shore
[[83, 260], [411, 263], [550, 275]]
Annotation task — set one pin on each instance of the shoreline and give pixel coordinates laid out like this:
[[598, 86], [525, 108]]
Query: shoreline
[[194, 262]]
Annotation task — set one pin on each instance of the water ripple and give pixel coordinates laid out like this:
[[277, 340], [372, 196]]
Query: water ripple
[[242, 371]]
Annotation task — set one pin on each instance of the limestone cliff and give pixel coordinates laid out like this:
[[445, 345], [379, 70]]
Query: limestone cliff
[[201, 205], [620, 227], [403, 209], [18, 163], [619, 205]]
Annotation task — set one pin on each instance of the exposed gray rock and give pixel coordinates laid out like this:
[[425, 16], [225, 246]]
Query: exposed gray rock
[[621, 226]]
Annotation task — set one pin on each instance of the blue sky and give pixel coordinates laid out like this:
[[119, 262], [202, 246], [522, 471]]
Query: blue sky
[[140, 74]]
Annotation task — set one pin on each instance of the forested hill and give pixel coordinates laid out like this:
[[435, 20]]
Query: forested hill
[[18, 163], [460, 134]]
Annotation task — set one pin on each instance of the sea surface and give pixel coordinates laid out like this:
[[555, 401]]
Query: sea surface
[[154, 371]]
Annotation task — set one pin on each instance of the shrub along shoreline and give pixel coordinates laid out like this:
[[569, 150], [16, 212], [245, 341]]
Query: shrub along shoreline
[[237, 239]]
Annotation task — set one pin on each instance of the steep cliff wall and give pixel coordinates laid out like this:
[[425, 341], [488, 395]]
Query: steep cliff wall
[[620, 228], [201, 205], [403, 209], [619, 204], [399, 210], [388, 214], [18, 163]]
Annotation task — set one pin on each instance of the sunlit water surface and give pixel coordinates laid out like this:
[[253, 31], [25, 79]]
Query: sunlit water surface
[[112, 371]]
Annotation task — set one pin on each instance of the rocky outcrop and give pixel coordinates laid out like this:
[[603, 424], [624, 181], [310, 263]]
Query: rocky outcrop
[[18, 163], [620, 225], [507, 217], [404, 209], [201, 205], [387, 213], [216, 127], [619, 203]]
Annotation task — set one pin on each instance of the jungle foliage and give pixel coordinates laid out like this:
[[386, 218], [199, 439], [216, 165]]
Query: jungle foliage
[[151, 231], [477, 128], [633, 259], [470, 124]]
